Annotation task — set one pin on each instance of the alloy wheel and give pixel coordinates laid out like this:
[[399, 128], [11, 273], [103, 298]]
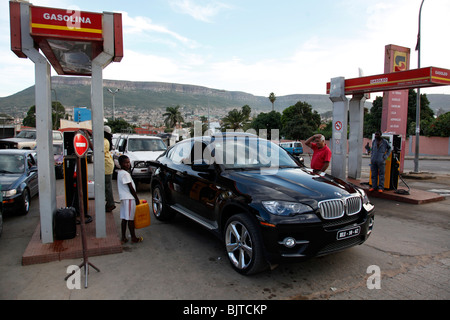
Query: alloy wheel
[[239, 245], [157, 202]]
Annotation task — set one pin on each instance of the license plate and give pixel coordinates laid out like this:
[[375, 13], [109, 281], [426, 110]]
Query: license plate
[[348, 233]]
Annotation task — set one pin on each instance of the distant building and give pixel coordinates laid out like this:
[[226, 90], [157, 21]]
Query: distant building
[[82, 114]]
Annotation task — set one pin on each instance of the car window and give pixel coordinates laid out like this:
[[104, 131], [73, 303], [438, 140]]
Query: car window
[[57, 136], [27, 135], [180, 152], [245, 152], [57, 149], [121, 144], [30, 161], [10, 163], [151, 145]]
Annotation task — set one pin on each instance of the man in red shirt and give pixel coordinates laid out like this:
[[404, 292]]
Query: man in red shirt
[[322, 154]]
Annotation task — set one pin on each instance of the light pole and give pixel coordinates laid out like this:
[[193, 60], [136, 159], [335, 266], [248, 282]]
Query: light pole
[[113, 92], [416, 157]]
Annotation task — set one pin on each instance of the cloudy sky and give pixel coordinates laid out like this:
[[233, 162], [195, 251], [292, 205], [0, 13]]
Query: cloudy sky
[[255, 46]]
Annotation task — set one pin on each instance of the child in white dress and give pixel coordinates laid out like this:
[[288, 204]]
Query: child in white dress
[[128, 199]]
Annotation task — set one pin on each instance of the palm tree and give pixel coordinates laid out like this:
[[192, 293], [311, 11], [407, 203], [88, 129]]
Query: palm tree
[[235, 120], [272, 99], [173, 116]]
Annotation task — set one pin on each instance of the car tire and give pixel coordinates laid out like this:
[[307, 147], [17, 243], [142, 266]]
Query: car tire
[[159, 206], [26, 202], [244, 246]]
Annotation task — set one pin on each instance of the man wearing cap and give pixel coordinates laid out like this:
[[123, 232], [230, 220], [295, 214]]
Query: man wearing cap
[[109, 169]]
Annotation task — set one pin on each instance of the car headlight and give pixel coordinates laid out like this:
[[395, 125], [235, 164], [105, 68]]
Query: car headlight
[[9, 193], [365, 198], [284, 208], [139, 164]]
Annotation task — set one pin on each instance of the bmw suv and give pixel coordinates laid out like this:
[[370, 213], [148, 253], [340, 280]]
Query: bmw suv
[[264, 205]]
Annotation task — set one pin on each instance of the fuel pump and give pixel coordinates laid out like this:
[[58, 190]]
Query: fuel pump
[[70, 178], [392, 162]]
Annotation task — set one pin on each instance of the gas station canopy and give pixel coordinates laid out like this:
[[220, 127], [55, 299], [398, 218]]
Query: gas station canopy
[[418, 78], [69, 39]]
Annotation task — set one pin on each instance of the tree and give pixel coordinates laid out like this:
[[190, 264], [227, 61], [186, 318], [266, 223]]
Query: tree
[[58, 113], [299, 121], [30, 119], [236, 119], [119, 126], [272, 99], [173, 116], [269, 121], [372, 120], [426, 113], [439, 127]]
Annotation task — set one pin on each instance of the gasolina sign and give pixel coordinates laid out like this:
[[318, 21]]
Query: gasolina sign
[[61, 23]]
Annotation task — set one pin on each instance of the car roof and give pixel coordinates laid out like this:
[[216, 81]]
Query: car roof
[[16, 151], [223, 135], [136, 136]]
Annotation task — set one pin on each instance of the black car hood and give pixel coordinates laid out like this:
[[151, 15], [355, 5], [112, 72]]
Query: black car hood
[[290, 184], [8, 181]]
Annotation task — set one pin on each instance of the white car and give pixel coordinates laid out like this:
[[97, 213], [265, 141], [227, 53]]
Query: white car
[[141, 150], [26, 139]]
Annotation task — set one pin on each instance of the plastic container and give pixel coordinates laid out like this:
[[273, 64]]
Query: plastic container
[[142, 215], [66, 223]]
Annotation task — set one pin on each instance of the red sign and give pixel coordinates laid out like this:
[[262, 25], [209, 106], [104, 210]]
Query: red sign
[[62, 23], [81, 145], [338, 126], [418, 78]]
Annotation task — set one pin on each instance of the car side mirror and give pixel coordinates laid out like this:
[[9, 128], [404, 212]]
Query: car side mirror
[[301, 161]]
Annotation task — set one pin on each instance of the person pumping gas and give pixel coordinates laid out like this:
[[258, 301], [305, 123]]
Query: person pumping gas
[[380, 152]]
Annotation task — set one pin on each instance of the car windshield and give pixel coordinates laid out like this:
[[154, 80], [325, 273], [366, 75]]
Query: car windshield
[[248, 153], [57, 149], [27, 135], [10, 163], [146, 145]]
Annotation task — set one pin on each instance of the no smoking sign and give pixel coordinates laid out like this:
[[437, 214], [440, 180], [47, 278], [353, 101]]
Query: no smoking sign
[[338, 126]]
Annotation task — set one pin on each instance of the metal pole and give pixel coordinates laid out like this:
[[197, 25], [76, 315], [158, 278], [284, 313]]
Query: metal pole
[[114, 101], [416, 157]]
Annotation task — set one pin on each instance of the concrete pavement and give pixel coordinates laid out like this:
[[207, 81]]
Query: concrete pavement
[[167, 265]]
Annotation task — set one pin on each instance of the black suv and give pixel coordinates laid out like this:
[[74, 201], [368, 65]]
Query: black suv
[[259, 200]]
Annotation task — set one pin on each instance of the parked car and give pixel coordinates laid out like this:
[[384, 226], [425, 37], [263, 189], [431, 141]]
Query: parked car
[[26, 139], [18, 179], [58, 156], [262, 203], [1, 210], [141, 150], [293, 147]]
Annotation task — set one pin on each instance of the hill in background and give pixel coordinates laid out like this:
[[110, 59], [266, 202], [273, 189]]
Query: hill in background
[[142, 96]]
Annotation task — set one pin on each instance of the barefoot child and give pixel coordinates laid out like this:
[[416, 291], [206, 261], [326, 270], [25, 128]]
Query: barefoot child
[[128, 199]]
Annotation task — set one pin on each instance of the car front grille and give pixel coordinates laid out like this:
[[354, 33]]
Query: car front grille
[[337, 208]]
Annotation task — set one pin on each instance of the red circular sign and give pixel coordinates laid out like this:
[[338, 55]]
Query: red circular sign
[[81, 145], [338, 126]]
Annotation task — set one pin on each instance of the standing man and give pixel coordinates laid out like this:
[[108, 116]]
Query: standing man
[[380, 152], [322, 154], [109, 169]]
